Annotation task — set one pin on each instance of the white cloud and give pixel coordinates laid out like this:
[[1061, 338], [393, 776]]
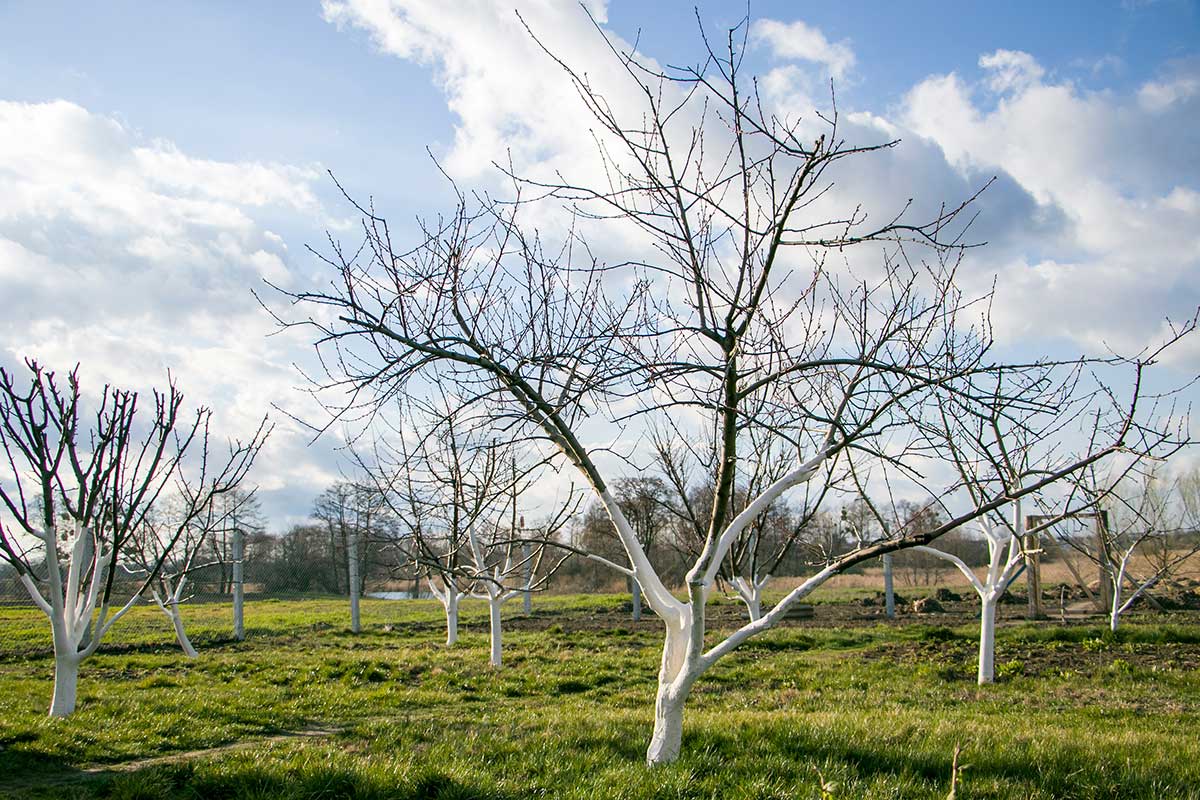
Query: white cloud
[[797, 40], [1156, 96], [1122, 183], [510, 99], [1011, 70], [1091, 225], [133, 258]]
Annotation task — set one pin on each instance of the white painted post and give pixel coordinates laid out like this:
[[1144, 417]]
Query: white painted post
[[352, 558], [527, 595], [889, 594], [239, 624], [635, 590]]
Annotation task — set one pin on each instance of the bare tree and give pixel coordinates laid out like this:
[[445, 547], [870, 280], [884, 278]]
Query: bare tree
[[459, 497], [74, 497], [1004, 447], [729, 318], [1138, 513]]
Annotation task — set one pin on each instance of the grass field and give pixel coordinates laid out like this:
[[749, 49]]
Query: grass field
[[852, 709]]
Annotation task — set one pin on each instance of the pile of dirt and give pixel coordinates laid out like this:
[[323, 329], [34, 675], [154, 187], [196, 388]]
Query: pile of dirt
[[927, 605]]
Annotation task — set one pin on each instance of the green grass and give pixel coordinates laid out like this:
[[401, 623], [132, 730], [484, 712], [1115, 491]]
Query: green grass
[[870, 712]]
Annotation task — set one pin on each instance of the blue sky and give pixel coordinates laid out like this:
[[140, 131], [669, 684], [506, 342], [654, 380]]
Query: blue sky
[[187, 161]]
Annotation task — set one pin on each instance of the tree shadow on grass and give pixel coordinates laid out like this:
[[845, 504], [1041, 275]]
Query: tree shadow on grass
[[254, 782], [22, 771]]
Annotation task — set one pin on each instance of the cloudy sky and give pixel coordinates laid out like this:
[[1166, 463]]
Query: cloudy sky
[[158, 160]]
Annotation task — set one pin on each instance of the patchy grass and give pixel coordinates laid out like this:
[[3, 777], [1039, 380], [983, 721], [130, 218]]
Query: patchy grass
[[872, 711]]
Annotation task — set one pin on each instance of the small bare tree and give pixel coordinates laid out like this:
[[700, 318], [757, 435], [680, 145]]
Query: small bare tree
[[458, 497], [75, 497], [1141, 531]]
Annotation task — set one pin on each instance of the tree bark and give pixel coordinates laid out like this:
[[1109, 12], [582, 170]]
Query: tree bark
[[635, 590]]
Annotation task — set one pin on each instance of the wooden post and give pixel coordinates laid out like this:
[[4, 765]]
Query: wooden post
[[239, 547], [889, 594], [1033, 569]]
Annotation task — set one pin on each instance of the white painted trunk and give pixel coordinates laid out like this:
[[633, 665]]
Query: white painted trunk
[[494, 612], [674, 685], [987, 641], [451, 606], [749, 591], [636, 593], [668, 726], [66, 684], [754, 606], [180, 634], [1114, 612]]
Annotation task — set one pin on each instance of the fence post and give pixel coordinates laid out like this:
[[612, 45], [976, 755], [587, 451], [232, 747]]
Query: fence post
[[527, 596], [352, 556], [239, 623], [889, 594]]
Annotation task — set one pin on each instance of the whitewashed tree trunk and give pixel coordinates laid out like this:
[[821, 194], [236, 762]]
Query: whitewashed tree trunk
[[987, 640], [749, 590], [451, 606], [1004, 559], [169, 605], [66, 683], [180, 634], [70, 608], [1118, 604], [674, 685], [494, 604], [449, 596], [635, 590]]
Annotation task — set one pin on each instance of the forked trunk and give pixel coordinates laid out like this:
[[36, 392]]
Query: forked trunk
[[180, 634], [750, 593], [987, 641], [753, 606]]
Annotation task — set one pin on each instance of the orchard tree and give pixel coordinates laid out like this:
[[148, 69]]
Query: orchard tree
[[458, 495], [1145, 526], [1004, 447], [729, 316], [75, 495]]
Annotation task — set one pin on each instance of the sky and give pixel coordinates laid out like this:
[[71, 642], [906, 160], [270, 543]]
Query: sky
[[158, 161]]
